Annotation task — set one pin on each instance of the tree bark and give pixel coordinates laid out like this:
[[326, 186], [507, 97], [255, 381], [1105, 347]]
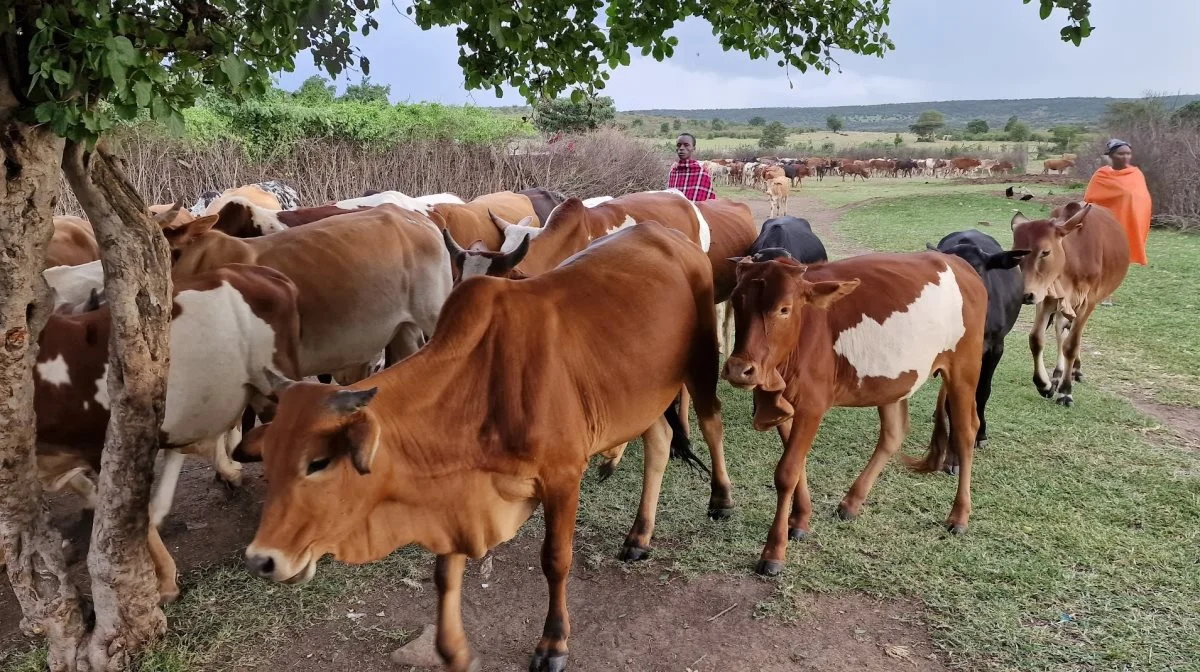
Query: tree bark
[[137, 284], [49, 600]]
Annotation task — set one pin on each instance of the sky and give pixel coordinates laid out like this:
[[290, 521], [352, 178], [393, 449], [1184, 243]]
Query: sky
[[945, 50]]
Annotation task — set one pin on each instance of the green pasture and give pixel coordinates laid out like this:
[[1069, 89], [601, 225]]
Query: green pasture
[[1083, 549]]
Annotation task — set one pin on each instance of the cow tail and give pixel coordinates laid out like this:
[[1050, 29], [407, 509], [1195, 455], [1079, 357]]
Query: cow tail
[[939, 444], [681, 446]]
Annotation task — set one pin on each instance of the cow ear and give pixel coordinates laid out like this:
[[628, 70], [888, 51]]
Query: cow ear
[[251, 447], [361, 438], [824, 294], [181, 235], [1005, 260], [509, 260], [526, 221], [478, 246], [736, 260], [1075, 222], [1019, 219]]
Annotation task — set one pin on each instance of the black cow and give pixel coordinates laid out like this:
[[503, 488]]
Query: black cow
[[792, 235], [544, 201], [795, 171], [907, 166], [1006, 289]]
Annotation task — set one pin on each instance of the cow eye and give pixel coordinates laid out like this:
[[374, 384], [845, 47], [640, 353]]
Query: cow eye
[[1045, 253], [317, 465], [784, 311]]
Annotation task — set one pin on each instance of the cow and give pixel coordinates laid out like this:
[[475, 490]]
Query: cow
[[796, 172], [273, 195], [1077, 259], [964, 164], [854, 169], [792, 235], [73, 288], [1060, 166], [1002, 168], [985, 167], [908, 167], [1005, 292], [543, 201], [458, 468], [864, 331], [170, 215], [368, 280], [777, 189], [242, 219], [768, 173], [72, 243], [930, 167], [228, 327]]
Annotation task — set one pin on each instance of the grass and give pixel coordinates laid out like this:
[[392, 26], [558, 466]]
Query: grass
[[1082, 549]]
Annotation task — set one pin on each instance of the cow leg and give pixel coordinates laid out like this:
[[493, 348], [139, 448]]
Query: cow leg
[[228, 471], [164, 494], [1070, 349], [451, 637], [164, 567], [963, 382], [893, 427], [1037, 343], [1062, 329], [1077, 372], [560, 505], [656, 449], [408, 339], [983, 392], [940, 439], [788, 474], [612, 460], [701, 381]]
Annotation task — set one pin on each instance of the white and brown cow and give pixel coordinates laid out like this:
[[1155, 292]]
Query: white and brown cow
[[229, 326], [865, 331], [368, 280]]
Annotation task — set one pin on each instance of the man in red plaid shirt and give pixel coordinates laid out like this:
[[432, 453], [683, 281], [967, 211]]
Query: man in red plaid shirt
[[687, 175]]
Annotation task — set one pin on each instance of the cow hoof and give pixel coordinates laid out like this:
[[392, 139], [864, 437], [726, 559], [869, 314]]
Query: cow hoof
[[1077, 376], [721, 513], [951, 469], [607, 469], [981, 444], [956, 529], [769, 567], [542, 662], [230, 481], [797, 534], [844, 513], [633, 553], [1065, 400]]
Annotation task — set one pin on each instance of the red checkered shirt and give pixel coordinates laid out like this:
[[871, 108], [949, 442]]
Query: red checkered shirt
[[692, 180]]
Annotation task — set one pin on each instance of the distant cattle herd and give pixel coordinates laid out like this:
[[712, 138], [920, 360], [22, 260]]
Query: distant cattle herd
[[525, 333]]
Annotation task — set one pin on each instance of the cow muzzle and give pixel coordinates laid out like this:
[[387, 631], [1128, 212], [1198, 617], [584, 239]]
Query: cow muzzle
[[1028, 299], [740, 372], [274, 565]]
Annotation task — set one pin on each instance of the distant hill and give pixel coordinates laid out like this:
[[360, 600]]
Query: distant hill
[[1037, 112]]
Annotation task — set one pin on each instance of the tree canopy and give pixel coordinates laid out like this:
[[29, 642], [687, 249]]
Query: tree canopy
[[834, 123], [977, 126], [757, 121], [366, 92], [928, 124], [774, 135], [566, 115]]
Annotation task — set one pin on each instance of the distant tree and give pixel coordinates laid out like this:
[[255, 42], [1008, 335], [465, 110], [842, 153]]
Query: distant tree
[[366, 92], [774, 135], [717, 125], [637, 122], [834, 123], [897, 141], [567, 115], [676, 124], [1188, 114], [664, 128], [757, 121], [315, 90], [977, 126], [1012, 121], [1128, 112], [928, 124], [1019, 132], [1063, 136]]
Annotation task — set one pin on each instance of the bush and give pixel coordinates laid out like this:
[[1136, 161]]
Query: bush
[[322, 170], [774, 135], [563, 115]]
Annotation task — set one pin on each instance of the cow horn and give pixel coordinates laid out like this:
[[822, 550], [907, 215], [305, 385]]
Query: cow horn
[[509, 260], [276, 382], [500, 223], [452, 246], [164, 218], [345, 402]]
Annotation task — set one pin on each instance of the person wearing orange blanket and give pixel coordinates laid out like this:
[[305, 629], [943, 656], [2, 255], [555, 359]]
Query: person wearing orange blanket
[[1122, 189]]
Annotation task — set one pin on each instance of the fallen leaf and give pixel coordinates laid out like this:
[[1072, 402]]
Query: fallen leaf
[[898, 651], [354, 615], [485, 568]]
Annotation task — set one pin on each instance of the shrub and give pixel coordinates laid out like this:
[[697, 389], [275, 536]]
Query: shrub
[[563, 115], [774, 135]]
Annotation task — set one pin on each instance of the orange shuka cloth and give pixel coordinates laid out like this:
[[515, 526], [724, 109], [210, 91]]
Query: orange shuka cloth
[[1125, 193]]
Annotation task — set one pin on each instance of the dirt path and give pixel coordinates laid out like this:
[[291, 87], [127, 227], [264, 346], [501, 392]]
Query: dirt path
[[821, 216], [626, 621]]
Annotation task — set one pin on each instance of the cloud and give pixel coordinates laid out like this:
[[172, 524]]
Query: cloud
[[649, 84]]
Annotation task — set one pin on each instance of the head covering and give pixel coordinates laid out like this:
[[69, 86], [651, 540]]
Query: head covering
[[1113, 145]]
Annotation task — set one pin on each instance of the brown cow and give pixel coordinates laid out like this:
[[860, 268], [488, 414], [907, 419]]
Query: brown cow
[[1002, 168], [865, 331], [383, 271], [1061, 166], [73, 242], [777, 190], [964, 164], [1078, 257], [855, 169], [242, 219], [455, 447], [228, 326], [472, 221]]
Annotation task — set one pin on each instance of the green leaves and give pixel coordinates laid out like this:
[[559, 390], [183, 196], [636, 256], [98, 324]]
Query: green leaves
[[235, 69]]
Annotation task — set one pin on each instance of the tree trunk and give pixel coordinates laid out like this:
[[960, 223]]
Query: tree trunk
[[137, 285], [31, 546]]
